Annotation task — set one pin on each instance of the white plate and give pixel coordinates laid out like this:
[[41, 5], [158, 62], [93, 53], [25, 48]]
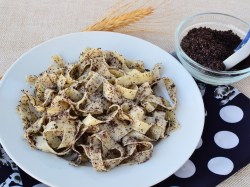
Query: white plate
[[169, 155]]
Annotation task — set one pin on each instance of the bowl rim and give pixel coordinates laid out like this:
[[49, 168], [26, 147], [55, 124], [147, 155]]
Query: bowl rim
[[191, 61]]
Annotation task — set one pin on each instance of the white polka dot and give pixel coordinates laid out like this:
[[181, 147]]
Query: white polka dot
[[199, 144], [231, 114], [220, 165], [187, 170], [226, 139]]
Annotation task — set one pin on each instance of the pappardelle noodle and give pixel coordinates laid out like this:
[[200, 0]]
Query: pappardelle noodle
[[102, 109]]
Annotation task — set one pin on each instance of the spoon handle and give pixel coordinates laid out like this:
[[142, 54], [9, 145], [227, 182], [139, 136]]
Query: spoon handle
[[243, 42], [238, 56]]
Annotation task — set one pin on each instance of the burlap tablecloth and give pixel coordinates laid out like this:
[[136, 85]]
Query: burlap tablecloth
[[26, 23]]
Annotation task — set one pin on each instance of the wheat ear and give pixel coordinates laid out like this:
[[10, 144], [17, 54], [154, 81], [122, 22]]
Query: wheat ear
[[110, 24]]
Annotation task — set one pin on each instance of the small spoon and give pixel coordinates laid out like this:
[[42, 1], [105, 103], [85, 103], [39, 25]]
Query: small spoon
[[241, 52]]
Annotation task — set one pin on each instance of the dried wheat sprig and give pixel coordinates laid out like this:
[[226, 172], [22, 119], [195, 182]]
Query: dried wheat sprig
[[110, 24]]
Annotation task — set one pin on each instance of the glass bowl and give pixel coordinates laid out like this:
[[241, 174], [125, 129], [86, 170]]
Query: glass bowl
[[216, 21]]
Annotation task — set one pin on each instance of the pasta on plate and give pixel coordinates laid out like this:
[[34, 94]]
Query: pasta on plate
[[102, 109]]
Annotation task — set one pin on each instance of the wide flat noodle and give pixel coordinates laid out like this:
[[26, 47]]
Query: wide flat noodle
[[102, 109], [138, 78]]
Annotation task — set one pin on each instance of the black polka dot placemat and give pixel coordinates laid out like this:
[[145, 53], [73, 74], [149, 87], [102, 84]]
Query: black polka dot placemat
[[222, 150], [224, 146]]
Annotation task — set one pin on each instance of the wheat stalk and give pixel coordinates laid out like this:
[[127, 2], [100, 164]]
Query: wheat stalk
[[113, 23]]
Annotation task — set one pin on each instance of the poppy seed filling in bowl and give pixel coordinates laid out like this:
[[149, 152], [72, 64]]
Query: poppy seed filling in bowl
[[210, 47]]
